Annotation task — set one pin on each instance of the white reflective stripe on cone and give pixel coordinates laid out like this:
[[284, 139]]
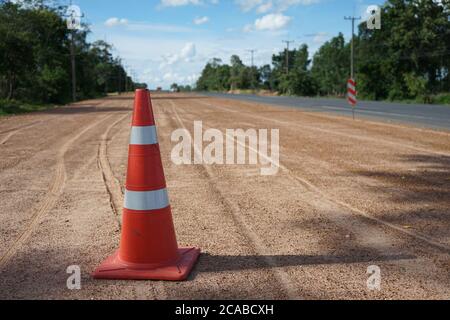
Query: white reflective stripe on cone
[[143, 135], [146, 200], [351, 86]]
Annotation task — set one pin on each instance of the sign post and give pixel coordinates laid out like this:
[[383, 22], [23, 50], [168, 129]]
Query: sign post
[[351, 95]]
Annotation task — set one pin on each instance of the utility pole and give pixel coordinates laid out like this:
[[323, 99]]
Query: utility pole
[[288, 42], [352, 63], [73, 63], [127, 68], [352, 58], [119, 88], [252, 55], [252, 52], [74, 15]]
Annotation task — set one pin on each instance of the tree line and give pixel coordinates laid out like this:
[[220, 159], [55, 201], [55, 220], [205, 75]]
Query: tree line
[[408, 59], [35, 57]]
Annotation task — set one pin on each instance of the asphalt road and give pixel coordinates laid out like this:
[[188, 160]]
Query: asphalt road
[[430, 116]]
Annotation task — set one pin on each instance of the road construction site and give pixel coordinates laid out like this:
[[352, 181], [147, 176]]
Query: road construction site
[[349, 194]]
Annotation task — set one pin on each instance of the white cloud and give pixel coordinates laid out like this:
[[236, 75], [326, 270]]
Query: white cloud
[[248, 28], [320, 37], [161, 28], [264, 6], [171, 77], [201, 20], [180, 3], [286, 4], [187, 54], [161, 54], [272, 22], [247, 5], [112, 22]]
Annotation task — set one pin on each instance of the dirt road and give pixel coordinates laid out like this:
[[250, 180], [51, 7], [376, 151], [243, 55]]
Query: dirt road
[[348, 195]]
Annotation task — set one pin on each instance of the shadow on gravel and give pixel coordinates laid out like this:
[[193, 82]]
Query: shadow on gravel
[[41, 274], [179, 98], [119, 98], [86, 109], [427, 181], [212, 263], [420, 193]]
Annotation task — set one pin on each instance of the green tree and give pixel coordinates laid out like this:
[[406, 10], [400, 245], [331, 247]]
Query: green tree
[[237, 77], [414, 43], [331, 66], [175, 87], [215, 77], [15, 41], [409, 58], [35, 56], [266, 77]]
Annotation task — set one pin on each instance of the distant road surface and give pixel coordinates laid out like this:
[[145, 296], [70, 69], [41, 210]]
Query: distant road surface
[[430, 116]]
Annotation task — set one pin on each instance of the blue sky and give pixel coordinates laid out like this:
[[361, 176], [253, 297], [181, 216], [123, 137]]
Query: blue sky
[[166, 41]]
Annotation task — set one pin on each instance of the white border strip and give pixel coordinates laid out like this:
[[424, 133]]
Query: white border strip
[[143, 135], [352, 87], [146, 200]]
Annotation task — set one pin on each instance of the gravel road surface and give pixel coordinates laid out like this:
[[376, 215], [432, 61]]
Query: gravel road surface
[[348, 195]]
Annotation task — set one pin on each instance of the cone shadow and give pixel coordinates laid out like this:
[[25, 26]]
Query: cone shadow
[[217, 263]]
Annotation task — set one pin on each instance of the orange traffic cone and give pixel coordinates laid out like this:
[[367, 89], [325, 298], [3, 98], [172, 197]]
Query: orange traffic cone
[[148, 247]]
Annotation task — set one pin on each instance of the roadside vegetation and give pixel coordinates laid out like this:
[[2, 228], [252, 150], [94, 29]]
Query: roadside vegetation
[[35, 60], [11, 107], [407, 60]]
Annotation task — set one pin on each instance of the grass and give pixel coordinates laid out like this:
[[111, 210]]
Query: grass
[[438, 99], [14, 107], [443, 98]]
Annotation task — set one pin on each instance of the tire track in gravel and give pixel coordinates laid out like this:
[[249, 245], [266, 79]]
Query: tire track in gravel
[[52, 196], [335, 133], [32, 124], [21, 127], [112, 184], [330, 199], [11, 132], [324, 164], [282, 277], [165, 111]]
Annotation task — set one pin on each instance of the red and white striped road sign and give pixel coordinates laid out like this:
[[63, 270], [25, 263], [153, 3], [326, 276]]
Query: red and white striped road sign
[[351, 92]]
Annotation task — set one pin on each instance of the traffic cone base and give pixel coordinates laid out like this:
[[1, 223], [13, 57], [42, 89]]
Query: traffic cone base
[[115, 269]]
